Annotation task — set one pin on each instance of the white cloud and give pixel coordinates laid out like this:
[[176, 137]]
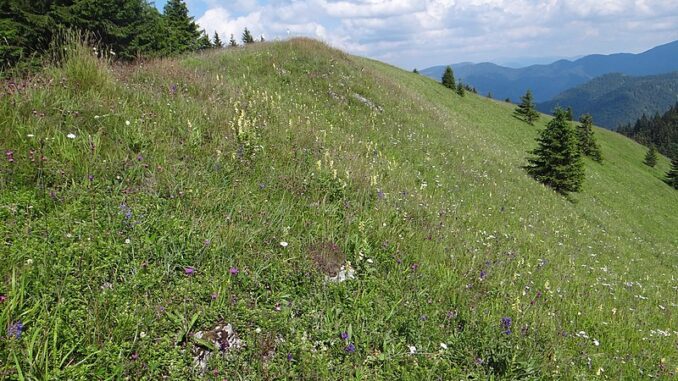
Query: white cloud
[[422, 33]]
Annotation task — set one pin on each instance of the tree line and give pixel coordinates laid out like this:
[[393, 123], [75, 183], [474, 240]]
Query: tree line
[[126, 28]]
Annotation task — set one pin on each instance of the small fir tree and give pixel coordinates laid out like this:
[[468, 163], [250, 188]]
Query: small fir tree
[[182, 31], [651, 157], [557, 161], [415, 71], [569, 114], [247, 37], [526, 109], [448, 78], [232, 43], [587, 141], [460, 89], [672, 176], [217, 41]]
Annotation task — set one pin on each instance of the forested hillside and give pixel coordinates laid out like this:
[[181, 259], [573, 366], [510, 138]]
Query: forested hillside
[[660, 131]]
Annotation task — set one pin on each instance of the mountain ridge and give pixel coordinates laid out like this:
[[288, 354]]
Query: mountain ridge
[[547, 81]]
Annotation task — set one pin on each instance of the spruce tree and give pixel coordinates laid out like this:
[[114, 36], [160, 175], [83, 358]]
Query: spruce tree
[[526, 109], [672, 176], [415, 71], [247, 37], [556, 161], [651, 157], [460, 89], [448, 78], [232, 43], [570, 117], [217, 41], [587, 141], [182, 32]]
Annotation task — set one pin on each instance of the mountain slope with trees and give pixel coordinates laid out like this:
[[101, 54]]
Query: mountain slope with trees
[[660, 131], [616, 99], [289, 211], [547, 81]]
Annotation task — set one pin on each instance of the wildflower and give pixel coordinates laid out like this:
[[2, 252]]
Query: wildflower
[[596, 342], [173, 89], [134, 356], [127, 123], [283, 244], [3, 298], [140, 158], [189, 271], [10, 156], [71, 136], [344, 335], [90, 177], [380, 194], [15, 330], [277, 307], [414, 267], [350, 348], [126, 210], [483, 274], [443, 346], [234, 271], [214, 296], [128, 241], [413, 350], [506, 325], [30, 135], [289, 357]]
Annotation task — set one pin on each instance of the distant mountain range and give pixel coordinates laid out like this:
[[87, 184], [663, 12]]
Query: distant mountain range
[[547, 81], [616, 99]]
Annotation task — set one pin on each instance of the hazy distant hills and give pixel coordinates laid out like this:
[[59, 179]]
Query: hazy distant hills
[[547, 81], [615, 99]]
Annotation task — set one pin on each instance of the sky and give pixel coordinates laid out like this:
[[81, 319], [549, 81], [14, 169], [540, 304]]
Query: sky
[[418, 34]]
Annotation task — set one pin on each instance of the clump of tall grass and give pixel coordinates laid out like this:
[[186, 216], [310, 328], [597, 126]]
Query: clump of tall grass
[[83, 61]]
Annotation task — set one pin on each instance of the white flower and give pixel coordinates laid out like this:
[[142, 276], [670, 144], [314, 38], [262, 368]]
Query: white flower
[[71, 136], [283, 244], [258, 330], [413, 350], [127, 123], [30, 135], [369, 260], [128, 241], [29, 261], [443, 346], [142, 334], [596, 342]]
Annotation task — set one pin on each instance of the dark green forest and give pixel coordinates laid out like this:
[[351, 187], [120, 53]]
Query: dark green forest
[[616, 99], [125, 29], [660, 131]]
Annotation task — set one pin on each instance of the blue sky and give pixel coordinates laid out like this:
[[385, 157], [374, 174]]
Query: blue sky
[[410, 33]]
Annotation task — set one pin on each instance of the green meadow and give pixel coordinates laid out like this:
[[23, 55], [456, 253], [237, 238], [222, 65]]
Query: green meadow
[[145, 207]]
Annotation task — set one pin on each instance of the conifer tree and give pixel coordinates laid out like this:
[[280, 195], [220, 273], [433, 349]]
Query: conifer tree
[[217, 41], [587, 141], [232, 43], [460, 89], [448, 78], [651, 157], [570, 117], [526, 109], [556, 161], [415, 71], [672, 176], [247, 37], [182, 32]]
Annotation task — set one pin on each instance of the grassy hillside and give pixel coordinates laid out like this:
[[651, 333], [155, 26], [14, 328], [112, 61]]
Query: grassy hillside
[[228, 187]]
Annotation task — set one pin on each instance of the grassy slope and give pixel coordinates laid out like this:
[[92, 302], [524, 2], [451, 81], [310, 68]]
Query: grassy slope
[[430, 189]]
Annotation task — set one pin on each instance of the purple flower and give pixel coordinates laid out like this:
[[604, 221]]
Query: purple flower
[[234, 271], [214, 296], [289, 357], [207, 242], [15, 330], [126, 211], [414, 267], [506, 324], [189, 271], [483, 274], [134, 356], [91, 178], [10, 156], [343, 335], [139, 157], [380, 194], [3, 298], [350, 348], [173, 89]]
